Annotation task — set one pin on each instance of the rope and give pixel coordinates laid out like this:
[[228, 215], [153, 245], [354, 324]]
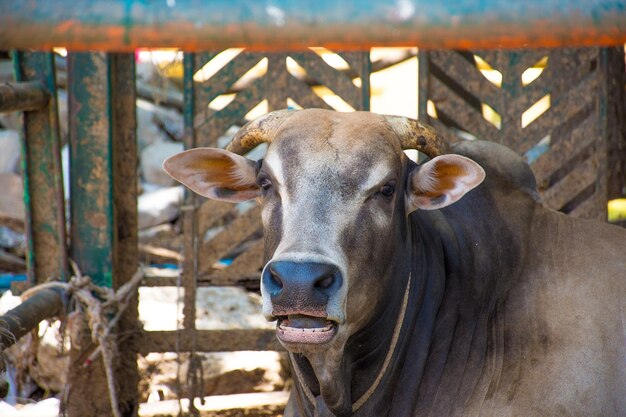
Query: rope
[[97, 302], [392, 348]]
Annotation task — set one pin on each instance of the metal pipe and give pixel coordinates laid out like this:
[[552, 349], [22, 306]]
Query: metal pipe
[[24, 96], [25, 317], [124, 25]]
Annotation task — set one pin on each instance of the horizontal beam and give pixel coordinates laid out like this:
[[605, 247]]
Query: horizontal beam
[[208, 340], [124, 25], [25, 317], [24, 96]]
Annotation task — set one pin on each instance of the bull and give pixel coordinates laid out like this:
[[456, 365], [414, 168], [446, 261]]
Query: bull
[[437, 289]]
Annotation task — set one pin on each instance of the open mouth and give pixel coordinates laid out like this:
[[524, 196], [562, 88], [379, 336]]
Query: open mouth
[[298, 328]]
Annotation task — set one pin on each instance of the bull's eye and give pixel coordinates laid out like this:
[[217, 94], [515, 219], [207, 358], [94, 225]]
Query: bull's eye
[[387, 190], [265, 183]]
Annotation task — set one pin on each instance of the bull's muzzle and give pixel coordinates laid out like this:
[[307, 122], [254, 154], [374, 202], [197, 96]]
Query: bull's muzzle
[[300, 293]]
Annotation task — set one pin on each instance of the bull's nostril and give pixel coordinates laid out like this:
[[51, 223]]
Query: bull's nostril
[[276, 280], [325, 282]]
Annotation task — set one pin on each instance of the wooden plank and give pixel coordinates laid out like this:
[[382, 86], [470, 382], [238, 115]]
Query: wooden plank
[[210, 212], [189, 213], [562, 107], [228, 239], [125, 255], [304, 96], [248, 264], [591, 208], [222, 81], [468, 118], [580, 178], [458, 68], [258, 404], [215, 123], [564, 148], [201, 58], [338, 82], [276, 81], [209, 340], [360, 63]]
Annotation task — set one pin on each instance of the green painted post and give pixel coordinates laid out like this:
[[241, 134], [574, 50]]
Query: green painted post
[[91, 165], [42, 174], [103, 191]]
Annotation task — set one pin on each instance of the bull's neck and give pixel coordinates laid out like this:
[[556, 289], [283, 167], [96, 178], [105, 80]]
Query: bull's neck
[[446, 357], [370, 361]]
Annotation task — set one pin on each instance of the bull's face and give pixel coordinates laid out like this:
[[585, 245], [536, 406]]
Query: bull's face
[[336, 190]]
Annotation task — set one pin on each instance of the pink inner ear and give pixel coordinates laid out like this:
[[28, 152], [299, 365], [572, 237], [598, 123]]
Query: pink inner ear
[[214, 173], [444, 180]]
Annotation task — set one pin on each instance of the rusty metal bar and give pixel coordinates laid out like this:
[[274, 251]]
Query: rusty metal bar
[[123, 25], [16, 322], [25, 96], [91, 165], [43, 183], [103, 178]]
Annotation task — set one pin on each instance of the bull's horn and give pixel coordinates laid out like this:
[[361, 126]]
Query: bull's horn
[[260, 130], [414, 135]]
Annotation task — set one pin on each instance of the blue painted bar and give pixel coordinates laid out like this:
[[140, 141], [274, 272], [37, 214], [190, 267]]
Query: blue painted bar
[[123, 25]]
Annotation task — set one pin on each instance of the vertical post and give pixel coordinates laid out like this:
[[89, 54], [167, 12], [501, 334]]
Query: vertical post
[[42, 174], [365, 70], [190, 228], [422, 82], [616, 121], [91, 165], [103, 211], [189, 212], [125, 254]]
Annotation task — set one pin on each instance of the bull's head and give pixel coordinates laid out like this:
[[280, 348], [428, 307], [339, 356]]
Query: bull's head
[[336, 190]]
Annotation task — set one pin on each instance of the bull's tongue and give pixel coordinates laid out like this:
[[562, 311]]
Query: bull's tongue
[[304, 322]]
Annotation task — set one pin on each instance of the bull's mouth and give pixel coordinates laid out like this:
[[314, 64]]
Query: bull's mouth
[[298, 328]]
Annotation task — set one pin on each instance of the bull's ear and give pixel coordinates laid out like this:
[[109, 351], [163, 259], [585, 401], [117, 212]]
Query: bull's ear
[[215, 173], [442, 181]]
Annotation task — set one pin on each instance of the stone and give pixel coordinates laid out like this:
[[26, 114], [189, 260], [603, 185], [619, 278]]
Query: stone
[[160, 206], [10, 151], [152, 158], [11, 239], [151, 119], [47, 408]]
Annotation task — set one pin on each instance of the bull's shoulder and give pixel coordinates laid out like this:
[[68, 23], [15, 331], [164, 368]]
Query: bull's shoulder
[[565, 315]]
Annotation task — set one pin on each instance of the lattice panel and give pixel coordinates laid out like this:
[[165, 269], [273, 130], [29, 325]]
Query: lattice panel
[[273, 81], [549, 105], [232, 87]]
